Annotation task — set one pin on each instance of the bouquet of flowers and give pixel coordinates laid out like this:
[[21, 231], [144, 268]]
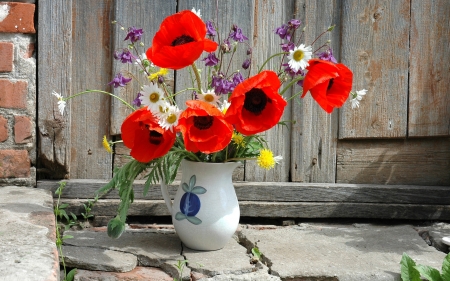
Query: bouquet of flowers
[[227, 112]]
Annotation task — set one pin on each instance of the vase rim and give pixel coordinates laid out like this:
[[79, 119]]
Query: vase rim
[[213, 163]]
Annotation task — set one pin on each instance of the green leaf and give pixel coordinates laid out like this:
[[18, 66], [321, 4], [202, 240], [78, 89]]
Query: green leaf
[[70, 276], [198, 190], [180, 216], [185, 187], [115, 228], [62, 206], [446, 268], [194, 220], [67, 237], [428, 272], [192, 181], [408, 271], [73, 216], [256, 253]]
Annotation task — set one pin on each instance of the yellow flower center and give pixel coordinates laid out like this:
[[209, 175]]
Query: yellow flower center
[[162, 109], [106, 145], [209, 98], [154, 97], [298, 55], [171, 118]]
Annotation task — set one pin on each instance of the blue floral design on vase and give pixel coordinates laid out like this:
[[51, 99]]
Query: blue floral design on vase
[[190, 202]]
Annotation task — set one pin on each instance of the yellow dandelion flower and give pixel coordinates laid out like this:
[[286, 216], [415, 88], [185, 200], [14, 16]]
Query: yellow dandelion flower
[[106, 145], [266, 159], [238, 139], [161, 72]]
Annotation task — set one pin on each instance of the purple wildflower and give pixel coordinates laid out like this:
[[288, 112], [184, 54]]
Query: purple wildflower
[[134, 34], [125, 56], [210, 30], [246, 64], [221, 85], [237, 78], [137, 101], [294, 24], [283, 32], [236, 34], [291, 72], [119, 81], [328, 56], [211, 60], [287, 46]]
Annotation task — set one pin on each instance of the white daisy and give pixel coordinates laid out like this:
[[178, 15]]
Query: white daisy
[[152, 97], [161, 110], [61, 102], [356, 97], [278, 159], [224, 107], [210, 97], [169, 119], [298, 58], [197, 12]]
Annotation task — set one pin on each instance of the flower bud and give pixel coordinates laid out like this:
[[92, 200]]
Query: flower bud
[[331, 27]]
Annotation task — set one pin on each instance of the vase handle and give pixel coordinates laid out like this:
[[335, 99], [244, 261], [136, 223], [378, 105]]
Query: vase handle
[[165, 194]]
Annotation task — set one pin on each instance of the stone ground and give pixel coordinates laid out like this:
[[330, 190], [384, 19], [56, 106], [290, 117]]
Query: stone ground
[[322, 251]]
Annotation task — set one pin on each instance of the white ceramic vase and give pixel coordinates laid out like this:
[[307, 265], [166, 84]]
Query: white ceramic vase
[[205, 211]]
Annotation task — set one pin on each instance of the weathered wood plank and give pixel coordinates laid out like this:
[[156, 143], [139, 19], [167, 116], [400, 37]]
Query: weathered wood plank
[[314, 135], [268, 15], [414, 161], [375, 45], [91, 69], [282, 210], [429, 98], [270, 192], [141, 14], [54, 39]]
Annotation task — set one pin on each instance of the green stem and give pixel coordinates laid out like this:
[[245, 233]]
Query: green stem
[[290, 84], [197, 77], [101, 92], [267, 60], [294, 96]]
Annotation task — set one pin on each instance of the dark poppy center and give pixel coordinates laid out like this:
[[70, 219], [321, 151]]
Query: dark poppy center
[[330, 83], [183, 39], [255, 101], [203, 122], [155, 138]]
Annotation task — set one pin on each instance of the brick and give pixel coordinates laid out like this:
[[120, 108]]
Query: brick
[[13, 94], [30, 51], [17, 17], [3, 128], [23, 129], [14, 164], [6, 56]]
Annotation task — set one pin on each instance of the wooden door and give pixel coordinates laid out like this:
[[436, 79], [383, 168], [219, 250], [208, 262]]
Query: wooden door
[[398, 51]]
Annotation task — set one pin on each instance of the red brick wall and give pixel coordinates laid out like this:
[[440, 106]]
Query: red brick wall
[[17, 94]]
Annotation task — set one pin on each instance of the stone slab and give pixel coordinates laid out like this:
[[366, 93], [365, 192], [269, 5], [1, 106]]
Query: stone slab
[[232, 259], [98, 259], [152, 248], [137, 274], [344, 252], [434, 234], [27, 236]]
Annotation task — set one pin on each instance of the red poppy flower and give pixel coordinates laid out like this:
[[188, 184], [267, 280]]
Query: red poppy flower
[[204, 127], [256, 105], [329, 83], [179, 41], [143, 135]]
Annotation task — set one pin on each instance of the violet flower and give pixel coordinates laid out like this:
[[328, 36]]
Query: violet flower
[[328, 56], [134, 34], [125, 56], [286, 47], [237, 78], [137, 101], [294, 24], [210, 30], [246, 64], [283, 32], [236, 34], [119, 81], [211, 60], [221, 85]]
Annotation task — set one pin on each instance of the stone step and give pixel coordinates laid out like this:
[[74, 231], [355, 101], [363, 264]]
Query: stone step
[[27, 235]]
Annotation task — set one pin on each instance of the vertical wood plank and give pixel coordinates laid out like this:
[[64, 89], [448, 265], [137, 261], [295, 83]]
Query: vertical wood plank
[[147, 15], [429, 98], [314, 136], [91, 69], [267, 16], [375, 45], [55, 45]]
